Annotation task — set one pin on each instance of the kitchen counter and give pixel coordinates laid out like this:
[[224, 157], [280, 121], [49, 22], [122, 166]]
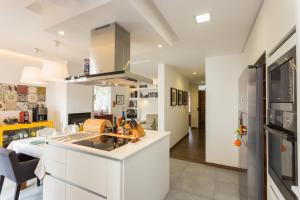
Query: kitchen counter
[[120, 153], [131, 172]]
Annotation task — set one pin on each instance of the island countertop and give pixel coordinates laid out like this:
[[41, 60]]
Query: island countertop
[[120, 153]]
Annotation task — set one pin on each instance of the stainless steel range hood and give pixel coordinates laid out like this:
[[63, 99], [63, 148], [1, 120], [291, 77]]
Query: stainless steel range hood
[[110, 59]]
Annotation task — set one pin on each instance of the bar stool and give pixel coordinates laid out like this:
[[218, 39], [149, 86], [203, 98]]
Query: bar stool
[[18, 168]]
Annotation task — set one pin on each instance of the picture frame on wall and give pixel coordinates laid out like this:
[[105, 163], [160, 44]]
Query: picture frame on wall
[[120, 99], [180, 97], [185, 98], [173, 96]]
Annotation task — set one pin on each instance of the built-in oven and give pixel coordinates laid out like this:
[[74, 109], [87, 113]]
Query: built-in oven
[[282, 123], [282, 159], [282, 92]]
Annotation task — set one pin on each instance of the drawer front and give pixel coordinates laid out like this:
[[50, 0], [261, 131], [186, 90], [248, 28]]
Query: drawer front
[[87, 171], [74, 193], [55, 154], [53, 189], [55, 169]]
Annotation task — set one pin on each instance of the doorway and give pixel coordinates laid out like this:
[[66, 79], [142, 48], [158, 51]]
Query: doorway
[[201, 109], [192, 147]]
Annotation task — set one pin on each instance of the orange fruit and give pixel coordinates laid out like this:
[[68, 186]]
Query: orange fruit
[[237, 142]]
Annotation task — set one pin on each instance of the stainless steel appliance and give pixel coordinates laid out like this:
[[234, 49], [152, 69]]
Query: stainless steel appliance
[[283, 160], [282, 123], [282, 92], [110, 59], [251, 115]]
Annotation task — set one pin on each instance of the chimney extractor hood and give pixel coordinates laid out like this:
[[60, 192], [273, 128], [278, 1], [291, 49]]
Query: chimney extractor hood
[[110, 59]]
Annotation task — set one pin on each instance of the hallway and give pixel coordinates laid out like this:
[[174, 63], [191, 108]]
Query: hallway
[[191, 148]]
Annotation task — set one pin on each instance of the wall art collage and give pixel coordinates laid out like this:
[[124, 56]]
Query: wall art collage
[[21, 97], [178, 97]]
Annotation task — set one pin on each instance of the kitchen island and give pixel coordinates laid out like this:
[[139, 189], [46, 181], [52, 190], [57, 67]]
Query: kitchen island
[[133, 171]]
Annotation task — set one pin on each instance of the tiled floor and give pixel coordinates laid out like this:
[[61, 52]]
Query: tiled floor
[[188, 181], [31, 193], [192, 181], [191, 148]]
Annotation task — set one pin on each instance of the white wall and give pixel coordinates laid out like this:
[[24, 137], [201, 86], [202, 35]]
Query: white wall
[[171, 118], [275, 20], [222, 75], [194, 90], [56, 102], [79, 99]]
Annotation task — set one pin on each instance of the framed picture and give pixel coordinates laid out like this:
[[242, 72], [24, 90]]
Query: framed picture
[[180, 97], [185, 98], [173, 97], [120, 99]]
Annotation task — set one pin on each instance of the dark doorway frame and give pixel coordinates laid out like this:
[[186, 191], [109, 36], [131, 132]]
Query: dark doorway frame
[[201, 109]]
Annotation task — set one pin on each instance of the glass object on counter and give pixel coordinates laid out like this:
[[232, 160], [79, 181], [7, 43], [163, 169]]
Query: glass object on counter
[[9, 136]]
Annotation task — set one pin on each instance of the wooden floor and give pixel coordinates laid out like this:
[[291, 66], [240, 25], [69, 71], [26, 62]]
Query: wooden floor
[[191, 148]]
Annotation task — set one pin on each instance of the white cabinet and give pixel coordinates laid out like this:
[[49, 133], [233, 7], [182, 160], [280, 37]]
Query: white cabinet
[[53, 189], [87, 171], [74, 193]]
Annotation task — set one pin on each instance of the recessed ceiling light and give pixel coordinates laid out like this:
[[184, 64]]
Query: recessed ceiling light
[[103, 82], [160, 46], [202, 18], [194, 73], [116, 84], [61, 32]]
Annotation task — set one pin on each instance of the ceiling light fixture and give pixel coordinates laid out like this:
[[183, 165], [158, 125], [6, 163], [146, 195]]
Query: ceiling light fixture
[[202, 18], [55, 71], [61, 32], [160, 46], [194, 73], [32, 75]]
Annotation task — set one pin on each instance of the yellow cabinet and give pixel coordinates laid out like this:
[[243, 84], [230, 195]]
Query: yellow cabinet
[[15, 127]]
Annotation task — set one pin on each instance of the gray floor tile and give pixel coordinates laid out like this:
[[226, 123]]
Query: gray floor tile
[[228, 176], [203, 186], [226, 191], [180, 195], [196, 169], [176, 169]]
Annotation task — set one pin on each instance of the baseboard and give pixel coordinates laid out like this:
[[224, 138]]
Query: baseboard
[[226, 167]]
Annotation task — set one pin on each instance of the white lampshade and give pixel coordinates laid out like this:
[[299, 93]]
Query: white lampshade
[[54, 71], [32, 75]]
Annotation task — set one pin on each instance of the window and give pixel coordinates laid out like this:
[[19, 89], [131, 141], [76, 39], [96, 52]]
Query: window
[[102, 99]]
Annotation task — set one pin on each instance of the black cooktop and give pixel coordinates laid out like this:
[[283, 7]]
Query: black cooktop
[[103, 142]]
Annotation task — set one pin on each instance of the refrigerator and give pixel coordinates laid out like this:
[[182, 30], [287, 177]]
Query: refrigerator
[[251, 154]]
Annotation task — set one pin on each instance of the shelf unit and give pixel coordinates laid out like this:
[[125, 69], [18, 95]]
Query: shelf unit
[[138, 99], [16, 127]]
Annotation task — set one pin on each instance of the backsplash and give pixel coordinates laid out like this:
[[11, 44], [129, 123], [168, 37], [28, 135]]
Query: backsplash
[[21, 97]]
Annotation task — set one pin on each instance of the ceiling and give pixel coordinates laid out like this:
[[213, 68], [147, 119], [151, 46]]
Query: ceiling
[[29, 24]]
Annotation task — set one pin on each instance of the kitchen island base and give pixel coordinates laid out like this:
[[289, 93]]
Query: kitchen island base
[[140, 171]]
